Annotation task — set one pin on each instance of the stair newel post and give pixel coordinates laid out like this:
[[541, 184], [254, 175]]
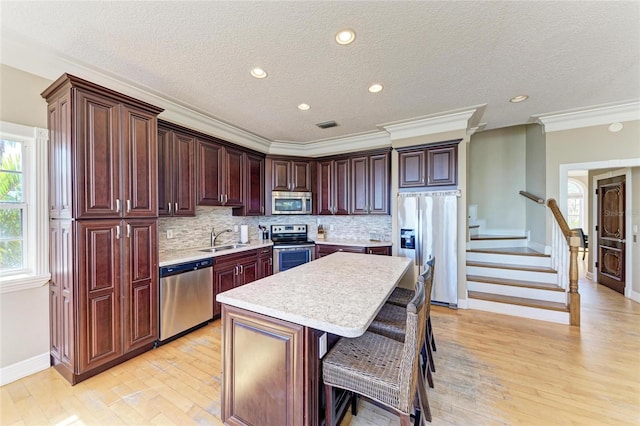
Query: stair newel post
[[574, 296]]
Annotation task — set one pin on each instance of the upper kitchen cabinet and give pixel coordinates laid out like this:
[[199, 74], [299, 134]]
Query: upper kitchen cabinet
[[221, 174], [254, 187], [426, 166], [333, 186], [176, 175], [103, 157], [293, 175], [370, 183]]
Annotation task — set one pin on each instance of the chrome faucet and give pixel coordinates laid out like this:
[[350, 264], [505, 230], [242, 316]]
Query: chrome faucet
[[214, 236]]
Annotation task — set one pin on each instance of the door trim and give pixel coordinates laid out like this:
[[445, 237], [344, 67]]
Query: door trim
[[625, 168]]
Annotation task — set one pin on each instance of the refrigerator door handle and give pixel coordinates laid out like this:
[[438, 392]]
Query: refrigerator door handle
[[419, 237]]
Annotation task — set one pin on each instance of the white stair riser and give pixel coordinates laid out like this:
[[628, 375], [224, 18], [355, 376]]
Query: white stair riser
[[524, 292], [497, 243], [514, 274], [520, 311], [509, 259]]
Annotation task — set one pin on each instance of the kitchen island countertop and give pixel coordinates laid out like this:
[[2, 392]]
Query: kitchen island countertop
[[340, 293], [354, 243]]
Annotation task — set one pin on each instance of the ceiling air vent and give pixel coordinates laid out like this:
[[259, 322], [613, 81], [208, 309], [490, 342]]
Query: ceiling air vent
[[327, 124]]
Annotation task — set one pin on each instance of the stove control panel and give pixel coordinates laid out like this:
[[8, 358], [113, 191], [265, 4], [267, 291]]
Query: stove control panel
[[288, 229]]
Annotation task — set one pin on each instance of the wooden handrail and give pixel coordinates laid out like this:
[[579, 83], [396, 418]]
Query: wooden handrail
[[532, 197], [574, 242], [557, 214]]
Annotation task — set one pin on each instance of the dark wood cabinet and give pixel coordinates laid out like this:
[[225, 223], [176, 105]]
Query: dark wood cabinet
[[333, 187], [370, 184], [234, 270], [327, 249], [221, 174], [254, 187], [265, 260], [426, 166], [103, 229], [292, 175], [176, 174]]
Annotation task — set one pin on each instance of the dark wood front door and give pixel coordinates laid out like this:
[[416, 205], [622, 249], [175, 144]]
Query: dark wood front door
[[611, 233]]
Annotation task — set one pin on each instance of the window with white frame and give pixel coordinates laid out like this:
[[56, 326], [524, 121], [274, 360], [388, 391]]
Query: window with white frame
[[23, 212], [12, 206], [575, 204]]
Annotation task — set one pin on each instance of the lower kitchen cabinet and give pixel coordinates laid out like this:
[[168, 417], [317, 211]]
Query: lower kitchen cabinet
[[265, 259], [234, 270], [326, 249], [103, 293]]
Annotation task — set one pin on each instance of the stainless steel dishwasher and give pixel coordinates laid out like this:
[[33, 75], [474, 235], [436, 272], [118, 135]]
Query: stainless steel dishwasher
[[186, 297]]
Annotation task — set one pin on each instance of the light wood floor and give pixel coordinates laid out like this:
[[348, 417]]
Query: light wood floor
[[491, 369]]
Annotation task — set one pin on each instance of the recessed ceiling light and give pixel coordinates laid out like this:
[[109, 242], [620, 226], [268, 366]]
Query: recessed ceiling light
[[518, 98], [303, 107], [375, 88], [258, 73], [345, 36], [616, 127]]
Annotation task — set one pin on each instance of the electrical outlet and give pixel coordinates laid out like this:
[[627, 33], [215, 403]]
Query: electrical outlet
[[169, 234], [330, 227], [322, 345], [235, 228]]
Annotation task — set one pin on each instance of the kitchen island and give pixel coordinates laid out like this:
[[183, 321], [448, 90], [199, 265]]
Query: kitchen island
[[276, 330]]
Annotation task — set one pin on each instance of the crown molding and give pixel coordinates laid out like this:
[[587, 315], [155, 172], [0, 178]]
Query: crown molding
[[431, 124], [575, 119], [324, 147]]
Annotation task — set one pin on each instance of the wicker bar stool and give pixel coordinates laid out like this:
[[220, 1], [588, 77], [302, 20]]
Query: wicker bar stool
[[401, 296], [390, 322], [380, 368]]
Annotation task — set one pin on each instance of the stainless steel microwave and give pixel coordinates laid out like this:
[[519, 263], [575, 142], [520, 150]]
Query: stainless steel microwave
[[290, 202]]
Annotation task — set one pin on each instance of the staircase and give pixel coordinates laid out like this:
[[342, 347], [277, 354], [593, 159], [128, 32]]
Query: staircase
[[504, 276]]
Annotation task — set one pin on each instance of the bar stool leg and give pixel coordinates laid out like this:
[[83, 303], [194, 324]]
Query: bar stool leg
[[328, 406]]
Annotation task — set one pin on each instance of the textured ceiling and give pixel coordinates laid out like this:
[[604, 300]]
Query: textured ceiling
[[431, 57]]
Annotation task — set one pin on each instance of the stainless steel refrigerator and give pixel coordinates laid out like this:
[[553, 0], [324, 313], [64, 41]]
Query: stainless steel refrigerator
[[428, 227]]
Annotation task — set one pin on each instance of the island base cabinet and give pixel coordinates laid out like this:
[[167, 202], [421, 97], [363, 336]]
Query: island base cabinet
[[268, 389]]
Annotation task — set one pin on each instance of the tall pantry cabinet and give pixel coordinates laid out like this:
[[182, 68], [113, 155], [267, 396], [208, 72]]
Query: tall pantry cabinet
[[103, 214]]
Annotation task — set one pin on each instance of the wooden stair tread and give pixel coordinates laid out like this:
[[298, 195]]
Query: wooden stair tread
[[498, 237], [518, 251], [514, 283], [511, 267], [520, 301]]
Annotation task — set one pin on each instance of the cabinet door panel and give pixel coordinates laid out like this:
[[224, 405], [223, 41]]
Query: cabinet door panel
[[301, 176], [224, 278], [254, 200], [183, 175], [280, 178], [412, 169], [341, 187], [97, 157], [60, 198], [165, 171], [209, 173], [234, 177], [98, 250], [360, 185], [140, 163], [379, 184], [140, 284], [249, 270], [325, 192], [442, 165], [67, 295]]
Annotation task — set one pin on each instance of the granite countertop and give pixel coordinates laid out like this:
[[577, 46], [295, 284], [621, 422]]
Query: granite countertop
[[340, 293], [174, 257], [356, 243]]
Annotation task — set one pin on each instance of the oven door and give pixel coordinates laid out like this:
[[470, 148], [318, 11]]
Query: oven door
[[287, 257]]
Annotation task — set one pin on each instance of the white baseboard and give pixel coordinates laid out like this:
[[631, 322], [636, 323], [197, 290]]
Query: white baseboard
[[463, 303], [635, 296], [589, 276], [25, 368]]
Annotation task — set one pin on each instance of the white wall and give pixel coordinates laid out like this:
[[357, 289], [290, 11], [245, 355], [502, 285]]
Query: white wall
[[497, 169], [536, 182], [24, 315]]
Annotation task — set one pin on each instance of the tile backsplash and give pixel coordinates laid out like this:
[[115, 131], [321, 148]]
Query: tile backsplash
[[193, 232]]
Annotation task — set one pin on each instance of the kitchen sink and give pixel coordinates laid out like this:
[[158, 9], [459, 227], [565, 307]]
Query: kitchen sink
[[224, 247]]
